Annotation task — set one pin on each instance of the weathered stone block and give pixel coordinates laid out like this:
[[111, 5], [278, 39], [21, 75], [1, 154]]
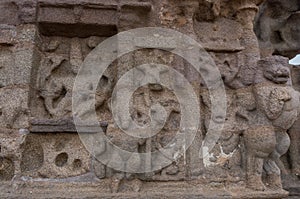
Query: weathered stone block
[[17, 54], [8, 10], [10, 142], [15, 12], [54, 156], [134, 14], [24, 60], [27, 11], [7, 35], [15, 66], [26, 34], [6, 67], [14, 110], [223, 35], [76, 19]]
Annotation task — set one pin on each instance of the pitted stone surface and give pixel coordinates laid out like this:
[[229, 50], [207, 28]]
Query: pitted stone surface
[[43, 44]]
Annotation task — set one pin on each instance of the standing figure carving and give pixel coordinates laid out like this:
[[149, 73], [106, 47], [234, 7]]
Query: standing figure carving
[[266, 140]]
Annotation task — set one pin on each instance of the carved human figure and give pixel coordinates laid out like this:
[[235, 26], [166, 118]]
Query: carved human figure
[[277, 106], [57, 89]]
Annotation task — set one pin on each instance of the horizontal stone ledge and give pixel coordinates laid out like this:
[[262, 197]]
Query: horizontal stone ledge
[[8, 35], [65, 125], [101, 189], [79, 2], [104, 15], [77, 20], [77, 30], [144, 6]]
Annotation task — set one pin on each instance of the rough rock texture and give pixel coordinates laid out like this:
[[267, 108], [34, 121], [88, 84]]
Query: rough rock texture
[[43, 44], [277, 28]]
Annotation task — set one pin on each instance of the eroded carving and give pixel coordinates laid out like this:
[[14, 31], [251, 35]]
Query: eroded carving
[[277, 28], [59, 156], [277, 109], [56, 88], [261, 102]]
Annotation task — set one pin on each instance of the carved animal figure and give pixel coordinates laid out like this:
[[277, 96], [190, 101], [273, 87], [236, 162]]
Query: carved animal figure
[[277, 105]]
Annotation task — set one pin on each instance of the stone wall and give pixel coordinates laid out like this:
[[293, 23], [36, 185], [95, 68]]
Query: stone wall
[[43, 44]]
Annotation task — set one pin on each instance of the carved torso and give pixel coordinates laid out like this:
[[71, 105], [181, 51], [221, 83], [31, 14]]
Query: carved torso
[[279, 104]]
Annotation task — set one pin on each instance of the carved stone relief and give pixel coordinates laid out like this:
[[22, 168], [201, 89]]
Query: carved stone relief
[[38, 70]]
